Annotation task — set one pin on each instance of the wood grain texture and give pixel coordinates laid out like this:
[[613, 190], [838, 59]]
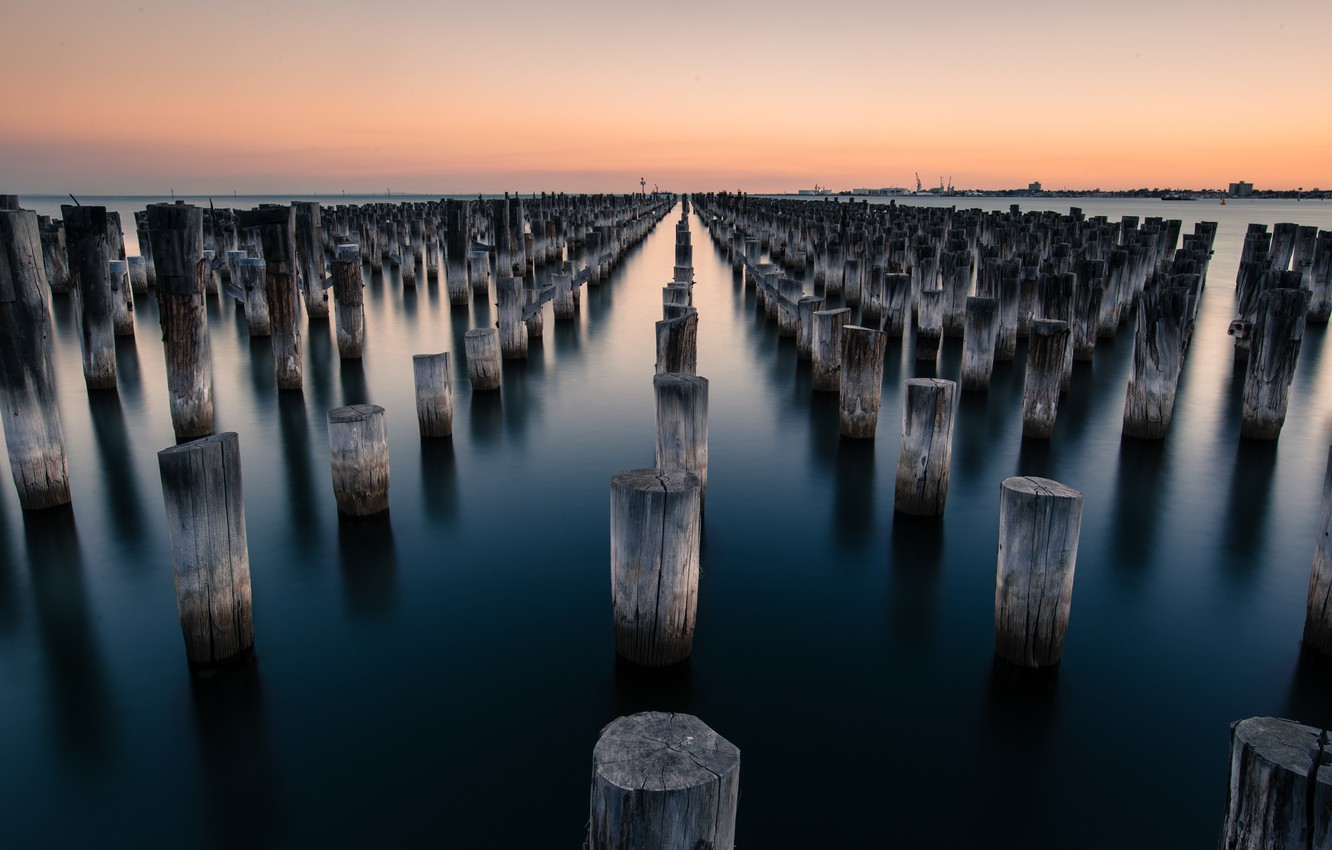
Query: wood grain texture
[[483, 358], [1047, 349], [860, 390], [349, 301], [1039, 524], [978, 342], [925, 458], [826, 349], [663, 781], [512, 328], [358, 453], [176, 231], [276, 227], [677, 345], [1164, 317], [310, 257], [655, 527], [210, 560], [250, 279], [929, 323], [1278, 333], [1279, 796], [89, 255], [1318, 610], [28, 399], [434, 394], [806, 307], [682, 425]]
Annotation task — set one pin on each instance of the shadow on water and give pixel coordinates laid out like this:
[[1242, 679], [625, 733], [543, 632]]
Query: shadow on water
[[639, 688], [129, 376], [262, 366], [369, 566], [409, 305], [915, 559], [231, 728], [1139, 480], [1309, 699], [825, 429], [294, 428], [486, 417], [1248, 505], [568, 340], [73, 660], [459, 325], [319, 361], [1077, 405], [62, 316], [113, 449], [10, 607], [971, 437], [1036, 458], [351, 374], [853, 499], [482, 312], [439, 478], [517, 378]]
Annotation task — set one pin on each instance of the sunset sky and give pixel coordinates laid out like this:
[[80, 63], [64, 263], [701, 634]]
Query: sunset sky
[[590, 95]]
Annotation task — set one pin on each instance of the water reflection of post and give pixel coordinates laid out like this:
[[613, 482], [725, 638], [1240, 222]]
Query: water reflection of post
[[122, 491], [1309, 698], [1137, 503], [1248, 505], [321, 358], [523, 404], [640, 688], [915, 558], [1036, 458], [294, 429], [439, 478], [82, 712], [244, 798], [354, 389], [485, 418], [369, 566], [9, 586], [853, 499], [129, 377], [261, 367]]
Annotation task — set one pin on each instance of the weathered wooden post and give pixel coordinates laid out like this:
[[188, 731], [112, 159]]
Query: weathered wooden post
[[1279, 789], [861, 383], [978, 343], [682, 425], [122, 298], [459, 255], [434, 394], [349, 298], [564, 306], [89, 259], [250, 277], [677, 345], [277, 226], [826, 350], [896, 303], [483, 358], [1164, 318], [28, 402], [310, 257], [1039, 523], [358, 449], [1275, 346], [210, 558], [1320, 278], [1046, 350], [478, 270], [1318, 615], [806, 307], [929, 324], [176, 233], [512, 327], [925, 459], [655, 527], [663, 780]]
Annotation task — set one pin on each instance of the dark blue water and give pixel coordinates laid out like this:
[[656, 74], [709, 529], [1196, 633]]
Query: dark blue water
[[441, 678]]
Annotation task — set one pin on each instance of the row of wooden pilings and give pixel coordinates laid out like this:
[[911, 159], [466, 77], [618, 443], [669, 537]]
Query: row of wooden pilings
[[1281, 773]]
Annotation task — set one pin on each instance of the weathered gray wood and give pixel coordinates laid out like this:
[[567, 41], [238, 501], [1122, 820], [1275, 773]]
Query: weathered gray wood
[[1318, 614], [310, 258], [924, 461], [28, 402], [483, 358], [349, 300], [434, 394], [806, 307], [461, 264], [250, 279], [210, 559], [860, 391], [826, 351], [89, 258], [655, 529], [1005, 343], [978, 343], [122, 298], [1047, 349], [358, 451], [1039, 523], [677, 345], [682, 426], [896, 303], [663, 781], [929, 324], [1164, 318], [565, 307], [1320, 279], [1275, 346], [277, 227], [1279, 796], [478, 271], [872, 298], [176, 233], [55, 256], [512, 328]]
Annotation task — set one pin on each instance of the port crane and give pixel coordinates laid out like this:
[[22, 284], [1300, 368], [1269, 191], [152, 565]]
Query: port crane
[[917, 182]]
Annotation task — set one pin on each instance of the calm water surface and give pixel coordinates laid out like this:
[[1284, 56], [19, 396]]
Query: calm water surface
[[441, 678]]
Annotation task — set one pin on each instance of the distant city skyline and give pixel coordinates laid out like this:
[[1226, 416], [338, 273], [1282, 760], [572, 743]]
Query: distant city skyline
[[110, 97]]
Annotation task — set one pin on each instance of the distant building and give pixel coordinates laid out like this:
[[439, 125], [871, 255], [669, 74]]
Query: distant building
[[1034, 187], [1241, 190]]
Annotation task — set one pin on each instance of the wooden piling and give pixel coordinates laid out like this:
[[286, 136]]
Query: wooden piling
[[564, 307], [1280, 789], [806, 307], [860, 387], [434, 394], [176, 234], [89, 259], [929, 324], [250, 275], [1318, 613], [483, 358], [512, 327], [478, 270], [358, 450], [924, 461], [349, 299], [1274, 348], [1164, 317], [682, 426], [677, 345], [28, 401], [122, 298], [663, 780], [826, 349], [1046, 350], [896, 304], [655, 526], [210, 559], [1039, 523], [277, 227], [310, 257], [978, 342]]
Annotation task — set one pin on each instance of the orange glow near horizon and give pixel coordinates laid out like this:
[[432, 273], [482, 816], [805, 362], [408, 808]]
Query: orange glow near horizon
[[133, 97]]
